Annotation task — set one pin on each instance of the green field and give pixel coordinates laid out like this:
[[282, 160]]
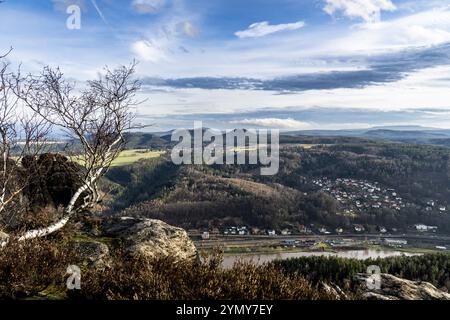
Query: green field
[[131, 156], [128, 157]]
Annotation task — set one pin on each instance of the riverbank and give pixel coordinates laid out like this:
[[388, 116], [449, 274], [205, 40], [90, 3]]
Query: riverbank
[[260, 258]]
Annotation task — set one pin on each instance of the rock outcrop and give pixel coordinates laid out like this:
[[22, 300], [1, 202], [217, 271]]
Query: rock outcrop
[[333, 291], [3, 236], [151, 238], [54, 179], [96, 254], [394, 288]]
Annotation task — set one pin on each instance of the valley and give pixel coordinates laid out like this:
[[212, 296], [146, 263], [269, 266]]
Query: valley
[[346, 186]]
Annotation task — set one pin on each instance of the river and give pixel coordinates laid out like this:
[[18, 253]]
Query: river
[[260, 258]]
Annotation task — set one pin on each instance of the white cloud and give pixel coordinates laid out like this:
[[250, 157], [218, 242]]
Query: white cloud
[[275, 123], [188, 29], [148, 51], [368, 10], [261, 29], [62, 5], [426, 28], [164, 42], [148, 6], [426, 89]]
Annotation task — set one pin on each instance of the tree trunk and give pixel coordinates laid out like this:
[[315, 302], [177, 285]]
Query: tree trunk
[[42, 232]]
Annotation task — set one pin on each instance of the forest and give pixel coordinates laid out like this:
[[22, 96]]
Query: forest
[[199, 196], [433, 268]]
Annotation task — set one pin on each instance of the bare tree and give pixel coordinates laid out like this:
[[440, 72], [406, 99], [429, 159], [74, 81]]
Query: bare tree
[[96, 118], [5, 54], [20, 135]]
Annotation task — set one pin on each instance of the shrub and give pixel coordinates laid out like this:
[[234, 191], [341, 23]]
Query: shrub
[[166, 279], [27, 268]]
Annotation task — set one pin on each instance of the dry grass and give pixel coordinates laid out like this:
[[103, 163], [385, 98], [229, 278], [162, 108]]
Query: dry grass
[[27, 268], [37, 269], [164, 279]]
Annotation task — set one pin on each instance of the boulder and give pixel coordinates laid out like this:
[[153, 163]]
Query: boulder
[[3, 236], [93, 253], [394, 288], [54, 179], [333, 291], [151, 238]]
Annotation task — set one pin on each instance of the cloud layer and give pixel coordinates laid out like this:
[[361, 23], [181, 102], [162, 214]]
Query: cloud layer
[[274, 123], [368, 10], [384, 68], [198, 56], [261, 29], [148, 6]]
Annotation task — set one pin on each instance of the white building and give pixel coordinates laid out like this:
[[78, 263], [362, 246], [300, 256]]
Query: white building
[[395, 242], [205, 235], [423, 227]]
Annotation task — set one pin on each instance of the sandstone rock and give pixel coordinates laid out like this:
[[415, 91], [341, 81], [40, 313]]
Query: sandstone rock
[[333, 290], [394, 288], [3, 236], [94, 253], [151, 238]]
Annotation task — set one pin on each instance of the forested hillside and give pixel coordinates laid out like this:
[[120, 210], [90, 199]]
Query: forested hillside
[[220, 195], [434, 268]]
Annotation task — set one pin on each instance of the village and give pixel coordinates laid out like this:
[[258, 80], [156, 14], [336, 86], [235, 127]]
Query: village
[[356, 196]]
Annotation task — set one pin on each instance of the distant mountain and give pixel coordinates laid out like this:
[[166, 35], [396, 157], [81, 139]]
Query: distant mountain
[[414, 135], [406, 134], [140, 140], [409, 134], [405, 128]]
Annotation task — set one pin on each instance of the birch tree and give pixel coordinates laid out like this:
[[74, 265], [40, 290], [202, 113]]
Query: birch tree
[[21, 135], [95, 118]]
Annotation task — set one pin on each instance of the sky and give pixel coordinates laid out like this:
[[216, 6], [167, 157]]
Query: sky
[[285, 64]]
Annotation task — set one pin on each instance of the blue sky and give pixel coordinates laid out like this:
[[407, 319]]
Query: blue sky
[[289, 64]]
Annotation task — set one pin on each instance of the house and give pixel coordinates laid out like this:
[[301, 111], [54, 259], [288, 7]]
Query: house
[[442, 209], [302, 229], [286, 232], [382, 229], [421, 227], [359, 228], [339, 230], [271, 232], [398, 243], [424, 228], [205, 235]]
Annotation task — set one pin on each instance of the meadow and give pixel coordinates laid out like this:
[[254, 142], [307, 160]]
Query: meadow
[[128, 157]]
